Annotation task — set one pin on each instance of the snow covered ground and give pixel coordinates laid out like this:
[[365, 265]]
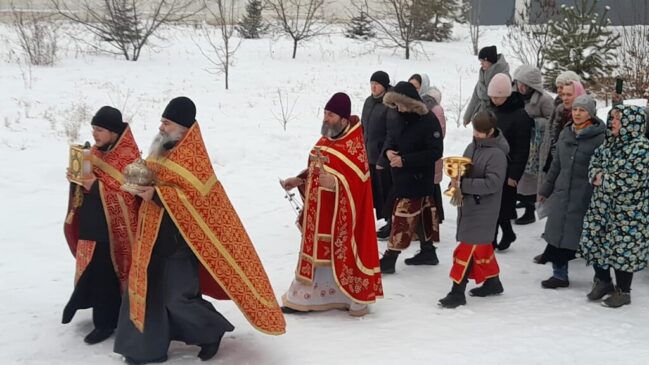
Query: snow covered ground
[[250, 150]]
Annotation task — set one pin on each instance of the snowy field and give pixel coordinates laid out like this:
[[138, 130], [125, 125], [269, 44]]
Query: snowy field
[[250, 149]]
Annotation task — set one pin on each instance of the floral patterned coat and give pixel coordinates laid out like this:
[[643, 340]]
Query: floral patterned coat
[[616, 226]]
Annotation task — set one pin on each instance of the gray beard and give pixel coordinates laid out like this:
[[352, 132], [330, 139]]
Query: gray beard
[[331, 132], [162, 143]]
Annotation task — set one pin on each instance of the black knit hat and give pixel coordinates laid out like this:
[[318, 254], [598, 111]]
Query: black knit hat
[[407, 89], [489, 53], [382, 78], [181, 110], [109, 118]]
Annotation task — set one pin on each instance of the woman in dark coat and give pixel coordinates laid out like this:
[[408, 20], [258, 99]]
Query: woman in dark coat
[[566, 191], [516, 125]]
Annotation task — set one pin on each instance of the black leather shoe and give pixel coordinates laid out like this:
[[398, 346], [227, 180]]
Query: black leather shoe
[[209, 351], [98, 335]]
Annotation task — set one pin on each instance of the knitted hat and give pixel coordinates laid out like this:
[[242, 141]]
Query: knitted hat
[[500, 86], [566, 77], [109, 118], [340, 104], [181, 110], [587, 103], [489, 53], [382, 78]]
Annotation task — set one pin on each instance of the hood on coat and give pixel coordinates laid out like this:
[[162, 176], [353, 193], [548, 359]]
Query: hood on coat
[[498, 141], [530, 76], [499, 67], [425, 85], [598, 127], [406, 104], [633, 121]]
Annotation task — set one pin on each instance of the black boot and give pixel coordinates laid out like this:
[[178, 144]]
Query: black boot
[[426, 256], [209, 350], [384, 232], [508, 235], [527, 218], [388, 261], [491, 286], [98, 335], [455, 297]]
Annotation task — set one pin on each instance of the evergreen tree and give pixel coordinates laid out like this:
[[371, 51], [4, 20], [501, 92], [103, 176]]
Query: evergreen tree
[[581, 41], [252, 25], [360, 27], [433, 19]]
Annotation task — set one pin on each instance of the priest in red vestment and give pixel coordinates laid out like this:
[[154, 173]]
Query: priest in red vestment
[[338, 264], [190, 242], [100, 226]]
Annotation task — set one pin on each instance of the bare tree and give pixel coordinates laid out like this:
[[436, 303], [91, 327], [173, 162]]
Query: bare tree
[[395, 20], [37, 34], [473, 8], [299, 19], [529, 33], [633, 56], [222, 51], [286, 109], [127, 25]]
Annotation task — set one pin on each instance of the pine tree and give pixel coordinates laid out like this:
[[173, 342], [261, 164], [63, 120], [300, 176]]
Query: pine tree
[[252, 25], [433, 19], [581, 41], [360, 27]]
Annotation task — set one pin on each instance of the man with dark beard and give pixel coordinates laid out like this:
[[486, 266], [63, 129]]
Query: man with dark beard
[[190, 242], [101, 224], [412, 151], [338, 265]]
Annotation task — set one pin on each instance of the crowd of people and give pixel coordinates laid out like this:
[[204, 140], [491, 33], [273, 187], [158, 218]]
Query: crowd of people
[[146, 256]]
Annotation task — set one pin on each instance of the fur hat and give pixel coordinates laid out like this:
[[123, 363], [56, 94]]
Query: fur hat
[[109, 118], [405, 96], [566, 77], [500, 86], [340, 104], [181, 110]]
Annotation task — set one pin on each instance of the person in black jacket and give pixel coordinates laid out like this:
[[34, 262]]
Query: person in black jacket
[[516, 126], [413, 145], [374, 121]]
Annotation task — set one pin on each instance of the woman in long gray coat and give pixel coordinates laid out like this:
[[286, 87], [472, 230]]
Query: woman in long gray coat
[[491, 63], [477, 218], [566, 190], [539, 106], [616, 227]]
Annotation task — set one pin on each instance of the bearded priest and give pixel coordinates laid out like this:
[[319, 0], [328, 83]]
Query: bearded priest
[[190, 242]]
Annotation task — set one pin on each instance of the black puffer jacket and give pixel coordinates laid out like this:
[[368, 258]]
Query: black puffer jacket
[[415, 133], [516, 126]]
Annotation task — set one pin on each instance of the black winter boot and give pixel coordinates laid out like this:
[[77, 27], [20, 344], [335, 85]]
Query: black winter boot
[[384, 232], [491, 286], [208, 351], [508, 235], [456, 296], [426, 256], [388, 261], [528, 217], [98, 335]]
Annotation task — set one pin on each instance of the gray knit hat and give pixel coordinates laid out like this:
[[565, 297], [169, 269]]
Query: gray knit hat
[[587, 102]]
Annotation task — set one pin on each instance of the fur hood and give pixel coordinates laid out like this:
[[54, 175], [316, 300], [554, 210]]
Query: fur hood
[[407, 104]]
